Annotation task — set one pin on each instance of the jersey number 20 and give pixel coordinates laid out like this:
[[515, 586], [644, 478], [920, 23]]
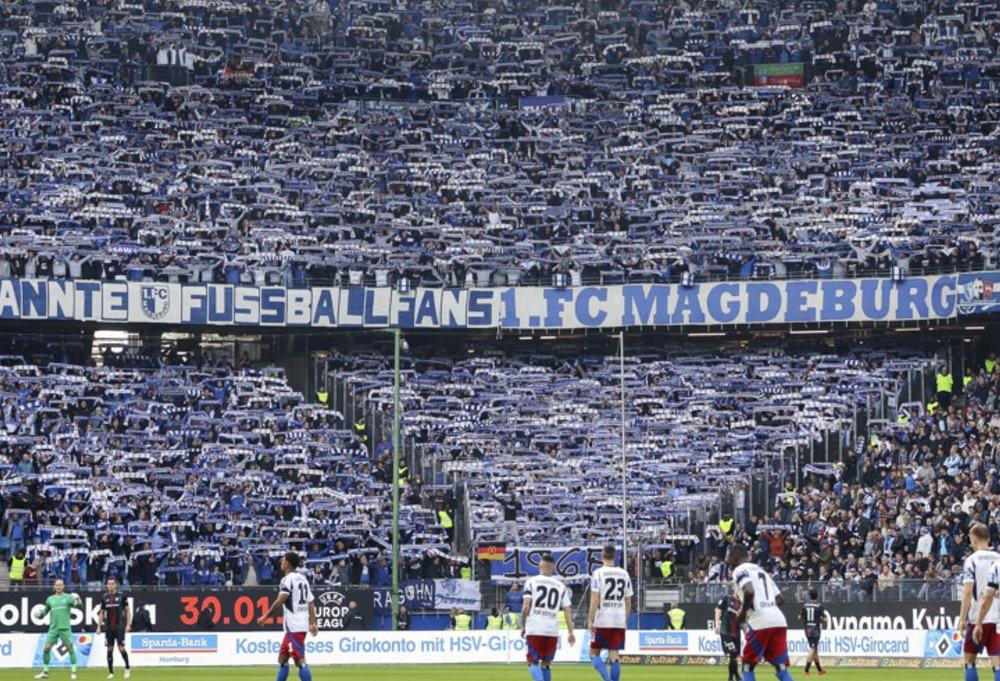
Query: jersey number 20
[[547, 598]]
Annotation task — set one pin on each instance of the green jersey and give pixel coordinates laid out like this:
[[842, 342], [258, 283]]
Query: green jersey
[[57, 607]]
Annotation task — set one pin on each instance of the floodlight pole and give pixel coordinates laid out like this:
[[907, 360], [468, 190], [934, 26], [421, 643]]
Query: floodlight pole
[[621, 368], [396, 340]]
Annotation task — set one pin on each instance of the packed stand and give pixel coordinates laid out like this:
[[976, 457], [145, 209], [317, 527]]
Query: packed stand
[[889, 522], [193, 473], [536, 434], [474, 143]]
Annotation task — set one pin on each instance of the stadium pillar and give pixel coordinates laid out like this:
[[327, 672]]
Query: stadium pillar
[[797, 453], [781, 474], [621, 368], [767, 484], [396, 338]]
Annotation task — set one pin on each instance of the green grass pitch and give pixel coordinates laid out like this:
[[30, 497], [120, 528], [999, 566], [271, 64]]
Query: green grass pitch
[[486, 672]]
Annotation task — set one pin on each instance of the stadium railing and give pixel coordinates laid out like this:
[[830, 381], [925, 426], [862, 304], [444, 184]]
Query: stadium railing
[[829, 592]]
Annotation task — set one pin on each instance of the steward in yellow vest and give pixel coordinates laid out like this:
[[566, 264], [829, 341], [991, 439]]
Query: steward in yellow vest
[[494, 621], [463, 621], [17, 566], [945, 383], [676, 617], [667, 568], [512, 620], [323, 397]]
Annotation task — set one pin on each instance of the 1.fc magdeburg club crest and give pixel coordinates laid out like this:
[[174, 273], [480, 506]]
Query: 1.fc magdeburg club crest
[[155, 301]]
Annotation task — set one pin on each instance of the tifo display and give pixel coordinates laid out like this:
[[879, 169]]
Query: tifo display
[[499, 339]]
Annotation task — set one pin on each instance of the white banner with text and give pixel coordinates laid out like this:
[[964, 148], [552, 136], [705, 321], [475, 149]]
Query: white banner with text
[[517, 308], [438, 647]]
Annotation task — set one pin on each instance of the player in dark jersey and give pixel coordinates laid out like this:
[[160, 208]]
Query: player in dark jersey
[[727, 610], [116, 617], [813, 616]]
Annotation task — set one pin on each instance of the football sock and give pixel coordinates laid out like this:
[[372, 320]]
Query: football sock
[[72, 657], [46, 657], [536, 672], [809, 665], [616, 670], [819, 667], [125, 658], [996, 675], [734, 670], [305, 673], [784, 675], [111, 660], [748, 675], [282, 673], [546, 673], [971, 674], [600, 666]]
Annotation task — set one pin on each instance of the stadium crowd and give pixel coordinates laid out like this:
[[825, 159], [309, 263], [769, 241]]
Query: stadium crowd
[[108, 468], [536, 436], [891, 520], [466, 142], [193, 473], [483, 143]]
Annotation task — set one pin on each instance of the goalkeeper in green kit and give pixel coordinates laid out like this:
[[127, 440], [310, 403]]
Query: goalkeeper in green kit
[[57, 607]]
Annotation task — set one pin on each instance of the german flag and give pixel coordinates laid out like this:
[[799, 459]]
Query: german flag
[[491, 551]]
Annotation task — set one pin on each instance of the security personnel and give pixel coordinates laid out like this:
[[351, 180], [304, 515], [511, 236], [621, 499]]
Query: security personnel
[[465, 572], [932, 406], [667, 567], [563, 624], [463, 621], [361, 429], [17, 566], [990, 364], [444, 518], [727, 524], [403, 473], [512, 620], [789, 502], [945, 385], [676, 617], [322, 396], [494, 621]]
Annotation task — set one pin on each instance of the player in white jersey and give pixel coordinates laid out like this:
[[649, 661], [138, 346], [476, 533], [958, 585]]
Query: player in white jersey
[[767, 628], [544, 597], [975, 584], [299, 616], [610, 604], [987, 610]]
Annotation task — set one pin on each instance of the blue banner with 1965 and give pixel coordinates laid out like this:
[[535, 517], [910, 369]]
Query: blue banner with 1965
[[573, 563]]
